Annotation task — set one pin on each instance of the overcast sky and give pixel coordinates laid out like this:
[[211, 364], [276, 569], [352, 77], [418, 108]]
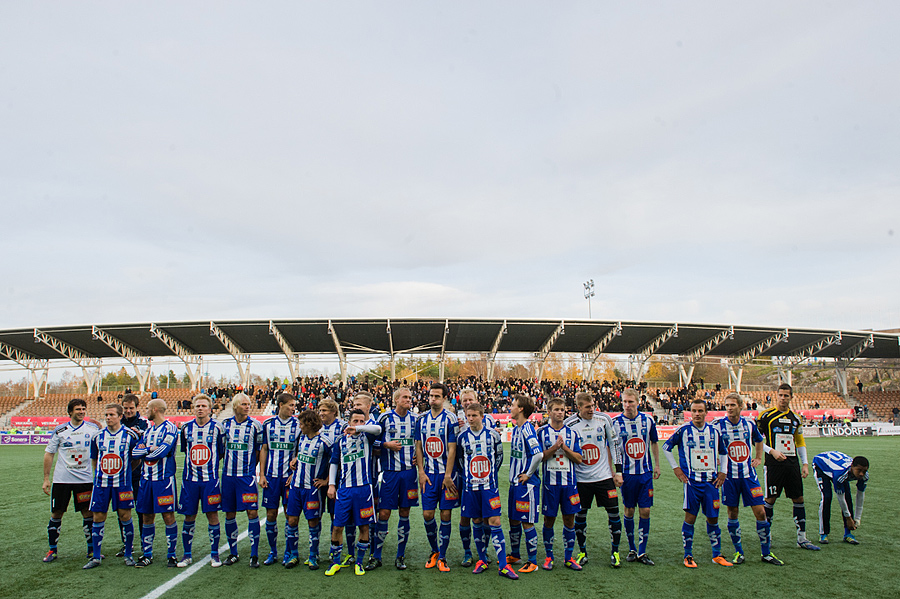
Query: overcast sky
[[702, 162]]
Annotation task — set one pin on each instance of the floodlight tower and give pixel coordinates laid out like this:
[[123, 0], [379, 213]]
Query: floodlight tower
[[589, 293]]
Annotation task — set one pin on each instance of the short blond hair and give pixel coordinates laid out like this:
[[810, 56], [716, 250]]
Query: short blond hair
[[238, 399]]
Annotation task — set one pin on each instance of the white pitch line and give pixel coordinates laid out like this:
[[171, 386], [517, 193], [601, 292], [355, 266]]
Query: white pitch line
[[193, 569]]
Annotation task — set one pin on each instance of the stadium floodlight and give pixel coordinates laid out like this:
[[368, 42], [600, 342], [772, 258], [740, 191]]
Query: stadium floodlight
[[589, 293]]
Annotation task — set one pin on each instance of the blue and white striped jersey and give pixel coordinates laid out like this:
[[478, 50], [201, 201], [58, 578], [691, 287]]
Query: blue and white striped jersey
[[635, 436], [596, 436], [523, 445], [401, 429], [203, 447], [487, 421], [113, 454], [482, 454], [332, 431], [740, 440], [353, 456], [280, 437], [73, 444], [559, 469], [701, 451], [242, 443], [159, 463], [436, 434], [313, 457], [836, 466]]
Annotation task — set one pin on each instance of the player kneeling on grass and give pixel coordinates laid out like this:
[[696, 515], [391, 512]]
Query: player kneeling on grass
[[156, 494], [561, 451], [701, 467], [482, 452], [111, 456], [306, 494], [350, 485], [740, 434], [839, 469]]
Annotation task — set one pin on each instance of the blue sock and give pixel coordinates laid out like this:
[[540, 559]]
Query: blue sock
[[569, 538], [763, 528], [128, 529], [643, 535], [272, 536], [291, 538], [515, 538], [361, 549], [715, 538], [231, 531], [171, 539], [548, 541], [403, 528], [465, 534], [629, 532], [53, 531], [336, 551], [381, 530], [148, 533], [253, 533], [446, 528], [350, 533], [431, 533], [480, 547], [215, 538], [314, 533], [187, 537], [97, 537], [687, 537], [734, 529], [581, 530], [87, 525], [486, 536], [531, 543], [499, 546], [615, 530]]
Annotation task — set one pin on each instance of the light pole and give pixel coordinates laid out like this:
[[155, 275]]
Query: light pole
[[589, 293]]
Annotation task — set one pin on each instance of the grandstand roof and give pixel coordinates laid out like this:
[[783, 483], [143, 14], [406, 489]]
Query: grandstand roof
[[450, 335]]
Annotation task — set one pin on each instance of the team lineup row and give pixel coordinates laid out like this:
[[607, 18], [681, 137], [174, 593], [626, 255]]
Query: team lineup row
[[361, 470]]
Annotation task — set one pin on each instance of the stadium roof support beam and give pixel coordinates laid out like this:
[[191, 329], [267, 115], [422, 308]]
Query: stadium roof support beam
[[495, 347], [31, 363], [340, 352], [547, 347], [842, 362], [804, 353], [735, 374], [138, 360], [693, 355], [192, 362], [241, 357], [759, 347], [644, 354], [596, 350], [90, 365], [443, 349], [293, 357]]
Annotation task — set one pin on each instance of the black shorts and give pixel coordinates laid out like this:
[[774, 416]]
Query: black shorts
[[604, 492], [60, 493], [783, 477]]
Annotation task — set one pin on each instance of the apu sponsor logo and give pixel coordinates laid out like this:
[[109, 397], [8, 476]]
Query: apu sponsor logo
[[635, 448], [738, 451], [434, 447], [591, 454], [111, 464], [200, 455], [480, 467]]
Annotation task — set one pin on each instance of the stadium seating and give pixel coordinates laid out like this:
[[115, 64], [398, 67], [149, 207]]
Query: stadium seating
[[880, 403]]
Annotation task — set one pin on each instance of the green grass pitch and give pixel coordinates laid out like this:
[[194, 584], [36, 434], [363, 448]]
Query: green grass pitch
[[868, 570]]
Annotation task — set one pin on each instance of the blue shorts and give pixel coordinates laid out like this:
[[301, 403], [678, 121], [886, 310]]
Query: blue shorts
[[239, 494], [308, 502], [156, 496], [206, 493], [355, 506], [748, 488], [637, 490], [480, 503], [523, 503], [121, 498], [276, 490], [556, 498], [398, 489], [435, 496], [705, 495]]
